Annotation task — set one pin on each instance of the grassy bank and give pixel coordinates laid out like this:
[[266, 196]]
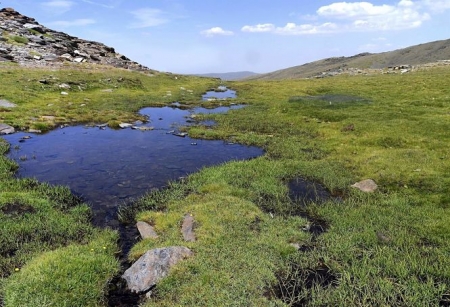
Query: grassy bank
[[387, 248], [50, 254]]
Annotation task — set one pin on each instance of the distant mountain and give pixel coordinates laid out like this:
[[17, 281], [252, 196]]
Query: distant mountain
[[229, 76], [414, 55], [23, 40]]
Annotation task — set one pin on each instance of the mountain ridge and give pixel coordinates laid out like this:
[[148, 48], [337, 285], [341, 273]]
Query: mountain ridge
[[229, 76], [26, 42], [406, 57]]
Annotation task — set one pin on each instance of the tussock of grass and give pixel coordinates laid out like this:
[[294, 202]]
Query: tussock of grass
[[76, 275]]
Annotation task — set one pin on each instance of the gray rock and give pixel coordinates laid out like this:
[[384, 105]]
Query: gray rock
[[367, 186], [125, 125], [6, 129], [154, 265], [64, 86], [34, 131], [7, 104], [147, 231], [187, 229]]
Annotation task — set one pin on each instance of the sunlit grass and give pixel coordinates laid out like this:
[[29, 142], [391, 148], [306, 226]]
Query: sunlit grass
[[395, 132]]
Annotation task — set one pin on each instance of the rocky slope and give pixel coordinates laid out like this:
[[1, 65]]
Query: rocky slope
[[26, 42], [402, 60]]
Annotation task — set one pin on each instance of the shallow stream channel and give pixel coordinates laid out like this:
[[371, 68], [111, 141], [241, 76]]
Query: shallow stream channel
[[109, 168]]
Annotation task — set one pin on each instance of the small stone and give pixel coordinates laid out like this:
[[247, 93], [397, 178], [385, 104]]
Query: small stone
[[146, 230], [64, 86], [125, 125], [64, 93], [7, 104], [6, 129], [367, 186], [187, 229]]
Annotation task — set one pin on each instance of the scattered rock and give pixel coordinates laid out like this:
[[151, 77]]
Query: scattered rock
[[48, 117], [7, 104], [64, 86], [54, 48], [187, 229], [34, 131], [64, 93], [125, 125], [6, 129], [146, 230], [181, 134], [153, 266], [367, 186], [382, 237]]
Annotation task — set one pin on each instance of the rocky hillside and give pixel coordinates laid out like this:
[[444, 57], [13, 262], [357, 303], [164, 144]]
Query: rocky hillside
[[401, 60], [26, 42]]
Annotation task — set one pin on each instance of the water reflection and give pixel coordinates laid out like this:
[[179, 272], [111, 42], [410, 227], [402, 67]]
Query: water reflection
[[108, 167]]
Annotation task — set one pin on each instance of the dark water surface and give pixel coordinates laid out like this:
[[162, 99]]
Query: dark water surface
[[110, 167]]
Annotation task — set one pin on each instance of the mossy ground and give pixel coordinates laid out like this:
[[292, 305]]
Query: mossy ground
[[396, 134]]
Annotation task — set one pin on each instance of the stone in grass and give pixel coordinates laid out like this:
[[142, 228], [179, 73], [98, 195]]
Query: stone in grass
[[153, 266], [7, 104], [146, 230], [6, 129], [187, 229], [367, 186]]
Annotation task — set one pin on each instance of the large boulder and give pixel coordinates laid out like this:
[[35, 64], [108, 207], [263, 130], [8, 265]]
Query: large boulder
[[153, 266]]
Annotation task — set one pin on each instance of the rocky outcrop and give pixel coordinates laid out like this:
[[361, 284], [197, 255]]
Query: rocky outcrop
[[25, 41], [153, 266]]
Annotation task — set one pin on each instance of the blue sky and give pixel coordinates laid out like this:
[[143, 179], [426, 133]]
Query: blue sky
[[258, 35]]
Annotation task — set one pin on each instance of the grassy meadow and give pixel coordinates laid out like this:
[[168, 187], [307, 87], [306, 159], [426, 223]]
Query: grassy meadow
[[387, 248]]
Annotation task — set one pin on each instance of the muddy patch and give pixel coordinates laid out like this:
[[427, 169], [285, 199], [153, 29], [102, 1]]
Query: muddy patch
[[306, 192], [295, 282], [445, 301], [15, 209]]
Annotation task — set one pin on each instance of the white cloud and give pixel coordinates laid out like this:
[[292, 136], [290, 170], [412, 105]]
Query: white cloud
[[148, 17], [437, 5], [216, 31], [291, 28], [294, 29], [266, 27], [110, 5], [73, 23], [59, 6], [342, 17], [348, 9], [405, 14]]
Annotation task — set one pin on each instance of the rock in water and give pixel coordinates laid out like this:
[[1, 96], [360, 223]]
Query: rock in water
[[153, 266], [6, 129]]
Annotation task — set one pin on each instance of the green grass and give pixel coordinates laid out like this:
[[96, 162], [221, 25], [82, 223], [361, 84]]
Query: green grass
[[395, 132]]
